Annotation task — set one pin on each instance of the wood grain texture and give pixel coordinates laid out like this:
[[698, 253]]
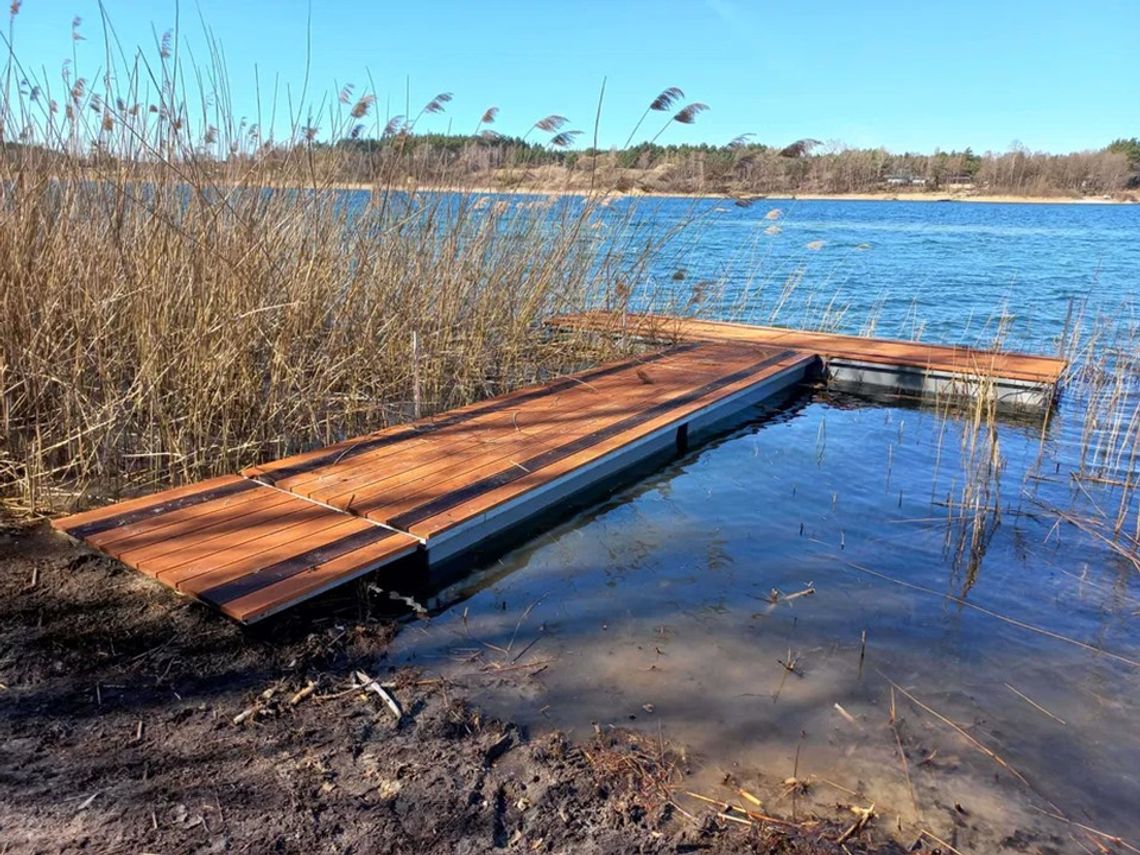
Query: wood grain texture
[[954, 359]]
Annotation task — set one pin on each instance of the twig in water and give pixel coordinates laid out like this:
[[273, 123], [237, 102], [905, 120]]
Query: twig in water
[[1111, 838], [791, 663], [1034, 704], [1089, 528], [1012, 621], [940, 842], [993, 755], [902, 757]]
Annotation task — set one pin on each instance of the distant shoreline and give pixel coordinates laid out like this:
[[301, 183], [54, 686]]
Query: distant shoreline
[[922, 196]]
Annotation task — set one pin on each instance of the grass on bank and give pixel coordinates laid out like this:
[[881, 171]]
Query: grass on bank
[[165, 315]]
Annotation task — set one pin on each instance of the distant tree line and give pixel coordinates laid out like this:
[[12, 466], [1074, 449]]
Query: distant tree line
[[740, 168], [744, 167]]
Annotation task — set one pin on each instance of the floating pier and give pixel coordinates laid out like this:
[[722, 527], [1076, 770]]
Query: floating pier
[[276, 534], [279, 533], [908, 367]]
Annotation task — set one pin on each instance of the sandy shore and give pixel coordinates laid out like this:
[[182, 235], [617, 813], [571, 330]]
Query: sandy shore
[[133, 721], [920, 196]]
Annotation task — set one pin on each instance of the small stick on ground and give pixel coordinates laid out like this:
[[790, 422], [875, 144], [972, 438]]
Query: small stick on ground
[[723, 805], [865, 815], [302, 694], [257, 706], [370, 685]]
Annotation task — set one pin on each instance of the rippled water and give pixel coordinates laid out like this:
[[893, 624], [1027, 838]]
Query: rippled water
[[938, 268], [668, 608]]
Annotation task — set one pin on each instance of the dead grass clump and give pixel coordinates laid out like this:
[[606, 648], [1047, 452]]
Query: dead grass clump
[[636, 771]]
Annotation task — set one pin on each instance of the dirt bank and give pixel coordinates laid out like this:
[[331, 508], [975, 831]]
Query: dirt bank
[[117, 734]]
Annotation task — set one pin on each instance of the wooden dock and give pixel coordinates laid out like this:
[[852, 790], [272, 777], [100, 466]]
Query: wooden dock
[[276, 534], [254, 543], [1017, 379]]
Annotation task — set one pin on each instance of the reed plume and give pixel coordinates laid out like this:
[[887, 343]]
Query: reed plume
[[685, 116], [799, 148], [661, 103]]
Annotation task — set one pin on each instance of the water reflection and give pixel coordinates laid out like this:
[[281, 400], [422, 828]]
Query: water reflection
[[926, 648]]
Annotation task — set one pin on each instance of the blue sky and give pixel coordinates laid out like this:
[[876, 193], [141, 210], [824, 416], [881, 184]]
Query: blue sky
[[1053, 74]]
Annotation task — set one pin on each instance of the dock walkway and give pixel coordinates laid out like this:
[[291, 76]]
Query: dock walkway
[[911, 366], [278, 533], [254, 543]]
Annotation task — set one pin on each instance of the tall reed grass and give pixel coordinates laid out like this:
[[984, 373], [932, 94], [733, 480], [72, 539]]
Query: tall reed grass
[[181, 295]]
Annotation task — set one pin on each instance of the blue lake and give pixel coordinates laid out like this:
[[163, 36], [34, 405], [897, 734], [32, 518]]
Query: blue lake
[[842, 536], [942, 269]]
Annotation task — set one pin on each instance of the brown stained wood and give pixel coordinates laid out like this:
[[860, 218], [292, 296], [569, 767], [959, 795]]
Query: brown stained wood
[[160, 560], [251, 555], [384, 500], [178, 523], [436, 524], [489, 435], [244, 555], [318, 577], [495, 425], [154, 553], [430, 468], [77, 520], [350, 447], [163, 503], [951, 358]]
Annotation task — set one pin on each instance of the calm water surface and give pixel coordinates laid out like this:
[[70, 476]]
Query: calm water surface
[[666, 608]]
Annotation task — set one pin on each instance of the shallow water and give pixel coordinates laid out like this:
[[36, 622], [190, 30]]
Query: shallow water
[[657, 608]]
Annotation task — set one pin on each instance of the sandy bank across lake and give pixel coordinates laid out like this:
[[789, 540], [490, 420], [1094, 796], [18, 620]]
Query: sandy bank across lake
[[924, 196]]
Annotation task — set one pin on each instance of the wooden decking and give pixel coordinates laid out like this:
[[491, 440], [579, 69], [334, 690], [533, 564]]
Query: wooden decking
[[951, 359], [278, 533], [238, 545]]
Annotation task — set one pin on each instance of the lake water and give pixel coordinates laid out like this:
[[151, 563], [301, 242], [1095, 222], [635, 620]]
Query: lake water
[[1007, 644]]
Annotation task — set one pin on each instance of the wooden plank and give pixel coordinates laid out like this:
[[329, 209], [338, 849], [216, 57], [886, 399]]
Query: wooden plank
[[384, 500], [289, 466], [85, 524], [432, 519], [160, 559], [952, 358], [260, 593], [150, 554], [430, 465], [490, 427], [258, 555], [287, 542], [179, 522]]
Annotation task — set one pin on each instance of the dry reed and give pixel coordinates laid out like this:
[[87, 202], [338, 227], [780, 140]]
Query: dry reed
[[182, 294]]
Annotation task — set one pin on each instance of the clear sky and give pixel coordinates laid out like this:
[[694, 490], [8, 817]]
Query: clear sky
[[912, 75]]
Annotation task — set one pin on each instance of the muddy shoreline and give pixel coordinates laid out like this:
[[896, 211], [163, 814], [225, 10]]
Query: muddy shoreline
[[117, 710]]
